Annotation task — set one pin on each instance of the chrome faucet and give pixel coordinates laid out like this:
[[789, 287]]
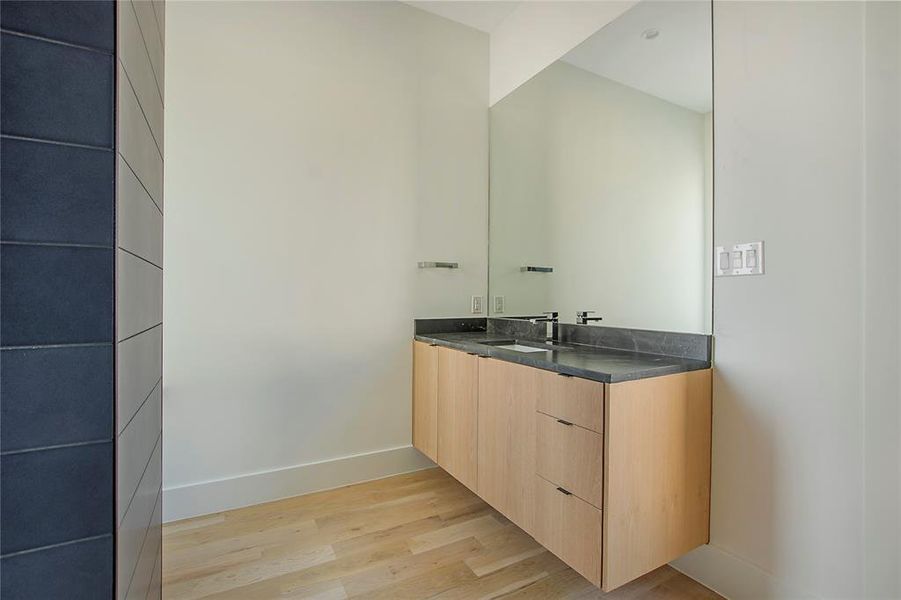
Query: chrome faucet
[[582, 317], [553, 325]]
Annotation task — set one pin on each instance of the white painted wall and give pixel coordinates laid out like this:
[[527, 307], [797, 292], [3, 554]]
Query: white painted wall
[[316, 152], [538, 33], [282, 349], [881, 322], [606, 184], [805, 457]]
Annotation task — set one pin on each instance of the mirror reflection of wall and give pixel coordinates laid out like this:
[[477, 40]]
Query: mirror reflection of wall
[[601, 168]]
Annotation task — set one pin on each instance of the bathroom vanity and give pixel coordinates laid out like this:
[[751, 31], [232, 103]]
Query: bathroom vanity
[[595, 440], [601, 454]]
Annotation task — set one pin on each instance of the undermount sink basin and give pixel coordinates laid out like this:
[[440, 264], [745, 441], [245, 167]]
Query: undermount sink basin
[[521, 348]]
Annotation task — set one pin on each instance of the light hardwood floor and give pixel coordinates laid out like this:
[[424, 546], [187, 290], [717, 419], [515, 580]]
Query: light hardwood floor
[[421, 535]]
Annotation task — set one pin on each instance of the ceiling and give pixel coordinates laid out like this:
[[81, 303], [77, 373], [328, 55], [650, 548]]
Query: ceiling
[[675, 66], [483, 15]]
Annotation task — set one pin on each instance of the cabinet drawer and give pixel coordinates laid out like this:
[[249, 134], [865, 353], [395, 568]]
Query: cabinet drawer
[[570, 528], [571, 457], [579, 401]]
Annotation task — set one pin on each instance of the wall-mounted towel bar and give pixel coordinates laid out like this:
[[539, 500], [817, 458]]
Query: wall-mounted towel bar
[[438, 265], [534, 269]]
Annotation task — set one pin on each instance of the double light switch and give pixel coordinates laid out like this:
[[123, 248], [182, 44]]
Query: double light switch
[[739, 259]]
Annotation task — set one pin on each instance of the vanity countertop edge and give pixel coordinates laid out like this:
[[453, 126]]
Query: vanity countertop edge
[[605, 365]]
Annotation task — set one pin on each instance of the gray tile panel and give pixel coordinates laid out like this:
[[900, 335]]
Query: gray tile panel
[[152, 38], [133, 55], [148, 559], [139, 368], [139, 219], [135, 143], [139, 299], [133, 529], [135, 449]]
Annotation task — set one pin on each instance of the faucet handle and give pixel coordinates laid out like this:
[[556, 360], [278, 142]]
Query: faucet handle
[[552, 314], [584, 313]]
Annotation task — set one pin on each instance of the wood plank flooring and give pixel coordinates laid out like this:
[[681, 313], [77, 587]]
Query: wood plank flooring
[[420, 535]]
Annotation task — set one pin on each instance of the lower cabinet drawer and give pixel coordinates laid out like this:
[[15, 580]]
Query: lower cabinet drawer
[[571, 457], [576, 400], [570, 528]]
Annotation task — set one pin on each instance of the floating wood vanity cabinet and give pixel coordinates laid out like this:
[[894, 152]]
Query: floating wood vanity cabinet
[[458, 405], [425, 399], [612, 478], [508, 395], [445, 407]]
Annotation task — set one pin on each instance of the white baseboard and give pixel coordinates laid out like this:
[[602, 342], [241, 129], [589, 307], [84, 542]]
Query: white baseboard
[[733, 577], [205, 497]]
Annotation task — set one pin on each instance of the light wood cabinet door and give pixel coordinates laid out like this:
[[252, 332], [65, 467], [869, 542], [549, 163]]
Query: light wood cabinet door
[[507, 399], [656, 472], [570, 528], [458, 405], [571, 457], [425, 399]]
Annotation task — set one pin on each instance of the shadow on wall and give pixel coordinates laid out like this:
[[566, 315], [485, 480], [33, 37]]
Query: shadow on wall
[[743, 436]]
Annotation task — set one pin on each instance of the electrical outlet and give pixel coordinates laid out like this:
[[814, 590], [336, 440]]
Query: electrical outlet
[[476, 305], [498, 305]]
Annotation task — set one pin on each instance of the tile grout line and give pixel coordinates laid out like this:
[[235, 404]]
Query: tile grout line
[[157, 559], [138, 256], [156, 502], [159, 89], [140, 406], [57, 346], [140, 107], [40, 38], [25, 138], [159, 440], [133, 172], [134, 335], [159, 29], [59, 545], [57, 244], [56, 447]]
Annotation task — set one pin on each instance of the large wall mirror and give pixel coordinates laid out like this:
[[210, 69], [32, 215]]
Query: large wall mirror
[[601, 177]]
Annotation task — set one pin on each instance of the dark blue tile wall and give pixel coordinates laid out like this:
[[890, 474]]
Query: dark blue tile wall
[[54, 193], [79, 571], [57, 275], [55, 396], [83, 23], [56, 92], [55, 295], [56, 495]]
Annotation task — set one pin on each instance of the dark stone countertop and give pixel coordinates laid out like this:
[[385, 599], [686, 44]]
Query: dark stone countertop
[[606, 365]]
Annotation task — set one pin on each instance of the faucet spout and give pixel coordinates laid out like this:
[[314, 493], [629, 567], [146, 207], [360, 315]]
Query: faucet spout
[[553, 325]]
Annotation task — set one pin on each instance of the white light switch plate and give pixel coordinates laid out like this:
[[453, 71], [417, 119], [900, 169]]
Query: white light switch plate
[[476, 305], [739, 259], [498, 305]]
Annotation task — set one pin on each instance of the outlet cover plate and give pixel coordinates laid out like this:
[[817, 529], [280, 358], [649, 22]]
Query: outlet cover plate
[[739, 259]]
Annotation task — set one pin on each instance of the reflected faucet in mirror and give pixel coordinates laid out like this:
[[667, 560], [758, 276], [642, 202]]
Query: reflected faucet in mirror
[[582, 317]]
